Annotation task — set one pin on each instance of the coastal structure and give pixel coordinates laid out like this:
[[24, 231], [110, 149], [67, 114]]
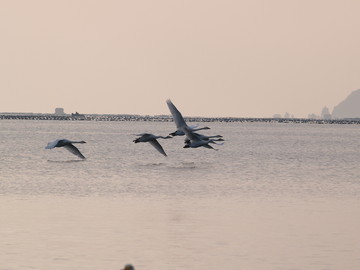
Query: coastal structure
[[59, 111]]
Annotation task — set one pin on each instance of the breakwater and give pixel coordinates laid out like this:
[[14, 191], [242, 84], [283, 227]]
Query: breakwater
[[166, 118]]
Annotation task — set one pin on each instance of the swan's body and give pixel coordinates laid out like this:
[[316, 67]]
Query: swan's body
[[152, 139], [179, 132], [207, 138], [195, 141], [179, 121], [68, 145]]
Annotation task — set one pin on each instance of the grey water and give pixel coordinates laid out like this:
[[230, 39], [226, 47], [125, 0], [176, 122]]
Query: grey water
[[274, 196]]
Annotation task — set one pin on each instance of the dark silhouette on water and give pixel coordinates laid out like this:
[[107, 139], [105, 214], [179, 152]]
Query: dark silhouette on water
[[128, 267]]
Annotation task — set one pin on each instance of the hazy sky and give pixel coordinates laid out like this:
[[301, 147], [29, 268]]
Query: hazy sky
[[211, 58]]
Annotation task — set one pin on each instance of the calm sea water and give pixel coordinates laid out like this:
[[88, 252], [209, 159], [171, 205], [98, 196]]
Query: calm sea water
[[275, 196]]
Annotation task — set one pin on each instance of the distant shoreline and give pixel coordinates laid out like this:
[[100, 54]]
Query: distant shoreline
[[166, 118]]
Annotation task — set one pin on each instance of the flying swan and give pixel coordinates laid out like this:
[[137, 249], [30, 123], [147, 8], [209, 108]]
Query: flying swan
[[152, 139], [193, 139], [179, 121], [67, 144]]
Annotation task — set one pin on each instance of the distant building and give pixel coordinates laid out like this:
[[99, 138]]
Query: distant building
[[286, 115], [59, 111], [313, 116], [277, 116], [325, 114]]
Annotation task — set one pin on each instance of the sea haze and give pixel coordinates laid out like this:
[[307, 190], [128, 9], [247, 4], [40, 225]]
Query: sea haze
[[274, 196]]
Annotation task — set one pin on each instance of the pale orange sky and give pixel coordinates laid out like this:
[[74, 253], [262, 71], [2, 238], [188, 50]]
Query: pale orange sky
[[211, 58]]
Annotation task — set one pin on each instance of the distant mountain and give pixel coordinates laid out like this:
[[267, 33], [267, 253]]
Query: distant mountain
[[349, 108]]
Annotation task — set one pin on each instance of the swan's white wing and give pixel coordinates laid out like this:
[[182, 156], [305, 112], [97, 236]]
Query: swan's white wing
[[158, 147], [74, 150], [178, 119], [52, 144]]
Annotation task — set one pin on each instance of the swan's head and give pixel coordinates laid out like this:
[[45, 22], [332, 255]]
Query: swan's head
[[82, 142], [128, 267]]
